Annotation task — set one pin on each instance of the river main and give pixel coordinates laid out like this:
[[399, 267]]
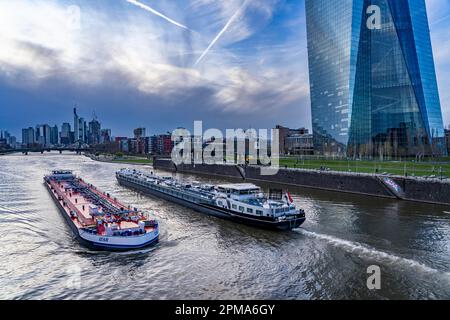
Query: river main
[[202, 257]]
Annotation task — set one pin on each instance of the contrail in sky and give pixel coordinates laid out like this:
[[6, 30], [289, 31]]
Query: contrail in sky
[[440, 20], [147, 8], [225, 28]]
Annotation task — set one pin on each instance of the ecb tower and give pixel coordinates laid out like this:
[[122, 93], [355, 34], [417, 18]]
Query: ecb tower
[[373, 83]]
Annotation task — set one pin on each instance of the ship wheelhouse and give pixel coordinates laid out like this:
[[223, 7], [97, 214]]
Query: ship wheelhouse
[[240, 191]]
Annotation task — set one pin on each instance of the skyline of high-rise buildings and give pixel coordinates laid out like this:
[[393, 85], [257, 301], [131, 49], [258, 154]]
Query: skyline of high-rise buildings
[[90, 135], [373, 88], [6, 139], [84, 133]]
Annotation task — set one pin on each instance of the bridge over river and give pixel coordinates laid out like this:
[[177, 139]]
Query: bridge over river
[[43, 150]]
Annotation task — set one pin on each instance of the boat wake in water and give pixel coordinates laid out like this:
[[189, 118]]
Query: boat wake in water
[[364, 251], [13, 175], [9, 209]]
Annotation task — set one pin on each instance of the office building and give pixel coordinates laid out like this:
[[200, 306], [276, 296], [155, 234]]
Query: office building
[[94, 132], [76, 123], [161, 144], [80, 128], [43, 135], [105, 136], [28, 137], [66, 134], [122, 143], [284, 133], [300, 144], [372, 78], [54, 135]]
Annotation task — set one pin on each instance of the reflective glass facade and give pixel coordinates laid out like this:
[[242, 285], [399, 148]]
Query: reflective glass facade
[[373, 90]]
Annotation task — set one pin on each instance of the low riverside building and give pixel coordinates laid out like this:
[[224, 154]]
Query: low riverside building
[[300, 144], [285, 133], [161, 144]]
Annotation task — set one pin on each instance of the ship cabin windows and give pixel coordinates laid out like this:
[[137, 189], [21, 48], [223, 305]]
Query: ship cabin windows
[[234, 206], [259, 212], [226, 191], [241, 209], [249, 210], [239, 191]]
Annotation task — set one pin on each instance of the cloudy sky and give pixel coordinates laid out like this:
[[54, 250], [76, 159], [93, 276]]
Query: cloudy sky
[[165, 63]]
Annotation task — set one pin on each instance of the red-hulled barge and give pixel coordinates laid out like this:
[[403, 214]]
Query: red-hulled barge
[[98, 220]]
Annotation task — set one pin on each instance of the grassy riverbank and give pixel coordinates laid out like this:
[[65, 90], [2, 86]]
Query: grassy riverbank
[[411, 168], [402, 168], [132, 160]]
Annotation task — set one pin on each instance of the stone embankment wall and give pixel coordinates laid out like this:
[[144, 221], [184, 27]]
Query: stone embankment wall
[[414, 189]]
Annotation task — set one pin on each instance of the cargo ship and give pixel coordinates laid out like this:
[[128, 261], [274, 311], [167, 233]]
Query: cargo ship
[[241, 202], [98, 220]]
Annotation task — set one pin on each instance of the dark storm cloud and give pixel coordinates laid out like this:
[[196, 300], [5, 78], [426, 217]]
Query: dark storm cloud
[[123, 107], [135, 70]]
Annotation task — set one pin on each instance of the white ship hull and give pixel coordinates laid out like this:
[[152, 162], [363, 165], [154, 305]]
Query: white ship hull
[[120, 242]]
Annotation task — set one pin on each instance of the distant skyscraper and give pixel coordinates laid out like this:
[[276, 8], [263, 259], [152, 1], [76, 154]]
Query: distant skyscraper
[[12, 142], [65, 136], [85, 131], [76, 123], [94, 132], [81, 130], [373, 90], [43, 135], [54, 135], [28, 136], [105, 136], [3, 141]]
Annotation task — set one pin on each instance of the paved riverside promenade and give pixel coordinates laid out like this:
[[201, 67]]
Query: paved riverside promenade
[[396, 187]]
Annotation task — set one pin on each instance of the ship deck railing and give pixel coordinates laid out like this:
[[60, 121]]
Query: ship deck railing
[[170, 189]]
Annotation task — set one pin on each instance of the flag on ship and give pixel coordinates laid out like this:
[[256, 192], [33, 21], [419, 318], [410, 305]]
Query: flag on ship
[[288, 197]]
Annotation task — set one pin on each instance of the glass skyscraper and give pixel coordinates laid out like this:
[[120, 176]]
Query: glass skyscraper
[[372, 78]]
